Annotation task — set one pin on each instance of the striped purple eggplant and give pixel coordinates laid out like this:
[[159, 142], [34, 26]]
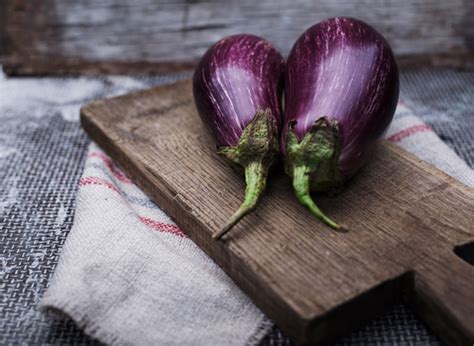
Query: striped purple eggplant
[[237, 90], [341, 91]]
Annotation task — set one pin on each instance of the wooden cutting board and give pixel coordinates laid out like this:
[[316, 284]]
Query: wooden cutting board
[[411, 238]]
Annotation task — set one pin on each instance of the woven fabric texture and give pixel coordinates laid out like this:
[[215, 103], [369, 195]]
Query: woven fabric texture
[[42, 153], [129, 276], [443, 98]]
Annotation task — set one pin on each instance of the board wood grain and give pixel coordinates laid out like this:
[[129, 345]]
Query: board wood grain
[[405, 218], [143, 36]]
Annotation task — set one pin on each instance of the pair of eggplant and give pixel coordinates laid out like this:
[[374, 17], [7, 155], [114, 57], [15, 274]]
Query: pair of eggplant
[[341, 89]]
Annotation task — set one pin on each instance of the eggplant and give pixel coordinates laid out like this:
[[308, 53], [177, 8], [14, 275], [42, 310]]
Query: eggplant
[[341, 91], [237, 89]]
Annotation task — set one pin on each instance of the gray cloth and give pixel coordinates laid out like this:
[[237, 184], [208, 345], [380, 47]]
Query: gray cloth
[[444, 99], [38, 181]]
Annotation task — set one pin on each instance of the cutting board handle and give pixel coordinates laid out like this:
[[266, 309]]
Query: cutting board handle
[[444, 297]]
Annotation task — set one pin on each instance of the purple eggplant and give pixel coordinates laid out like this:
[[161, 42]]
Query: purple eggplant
[[237, 89], [341, 91]]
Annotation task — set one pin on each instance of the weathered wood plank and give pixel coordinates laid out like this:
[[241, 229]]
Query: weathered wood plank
[[405, 218], [70, 35]]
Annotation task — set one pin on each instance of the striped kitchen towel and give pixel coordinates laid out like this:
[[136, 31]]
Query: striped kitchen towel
[[128, 275]]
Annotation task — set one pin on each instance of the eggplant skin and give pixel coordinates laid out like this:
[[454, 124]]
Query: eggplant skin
[[235, 78], [342, 69]]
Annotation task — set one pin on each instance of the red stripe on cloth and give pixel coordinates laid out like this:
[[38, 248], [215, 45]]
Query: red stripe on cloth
[[162, 227], [98, 181], [110, 165], [397, 137], [157, 225]]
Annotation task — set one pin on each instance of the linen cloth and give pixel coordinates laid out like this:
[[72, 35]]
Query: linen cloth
[[128, 275]]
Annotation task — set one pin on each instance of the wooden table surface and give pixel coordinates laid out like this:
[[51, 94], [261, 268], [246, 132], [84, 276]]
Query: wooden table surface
[[121, 36]]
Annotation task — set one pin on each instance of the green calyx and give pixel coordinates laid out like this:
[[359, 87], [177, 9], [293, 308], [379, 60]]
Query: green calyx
[[312, 163], [256, 152]]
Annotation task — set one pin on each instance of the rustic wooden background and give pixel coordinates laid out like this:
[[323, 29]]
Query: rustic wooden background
[[68, 36]]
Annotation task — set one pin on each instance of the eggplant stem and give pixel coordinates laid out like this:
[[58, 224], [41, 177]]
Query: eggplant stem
[[256, 180], [301, 181]]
